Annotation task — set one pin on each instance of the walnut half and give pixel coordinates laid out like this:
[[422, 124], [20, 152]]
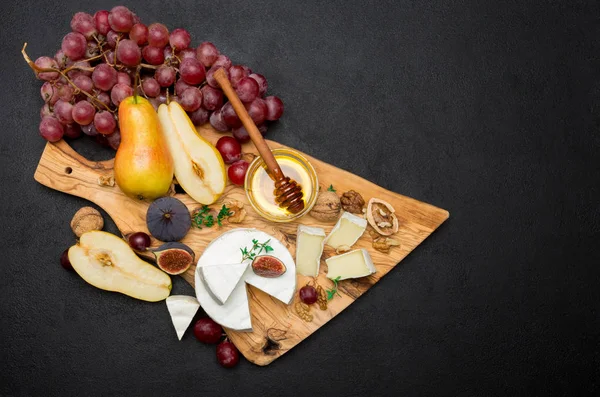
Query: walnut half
[[352, 202]]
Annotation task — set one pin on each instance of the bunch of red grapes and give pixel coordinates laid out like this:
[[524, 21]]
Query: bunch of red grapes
[[110, 54]]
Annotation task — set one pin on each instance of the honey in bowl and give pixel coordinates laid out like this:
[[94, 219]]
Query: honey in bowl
[[260, 187]]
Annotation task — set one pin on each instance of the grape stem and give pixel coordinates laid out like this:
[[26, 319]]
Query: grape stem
[[38, 70]]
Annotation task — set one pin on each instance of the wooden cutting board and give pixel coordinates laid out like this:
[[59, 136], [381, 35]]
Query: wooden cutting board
[[277, 327]]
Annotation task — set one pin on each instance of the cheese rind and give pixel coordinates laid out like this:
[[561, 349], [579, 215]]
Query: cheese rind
[[353, 264], [220, 280], [182, 309], [309, 248], [346, 231]]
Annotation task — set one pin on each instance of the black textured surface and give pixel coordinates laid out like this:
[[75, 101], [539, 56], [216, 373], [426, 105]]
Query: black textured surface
[[489, 109]]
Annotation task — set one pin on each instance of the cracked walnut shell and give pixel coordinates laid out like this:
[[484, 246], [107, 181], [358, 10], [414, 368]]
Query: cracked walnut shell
[[381, 216], [85, 220]]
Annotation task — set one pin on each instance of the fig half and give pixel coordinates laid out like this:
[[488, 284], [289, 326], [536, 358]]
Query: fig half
[[174, 258], [268, 266], [168, 219]]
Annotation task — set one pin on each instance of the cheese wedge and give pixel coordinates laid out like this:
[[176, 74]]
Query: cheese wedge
[[346, 231], [353, 264], [309, 248], [182, 309], [220, 280]]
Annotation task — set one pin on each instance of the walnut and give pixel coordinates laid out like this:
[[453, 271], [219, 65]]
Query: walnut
[[303, 311], [381, 216], [237, 211], [352, 202], [106, 180], [86, 220], [327, 208], [321, 298], [384, 244]]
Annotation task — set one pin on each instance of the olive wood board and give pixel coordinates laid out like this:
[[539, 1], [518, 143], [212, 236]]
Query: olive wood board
[[276, 326]]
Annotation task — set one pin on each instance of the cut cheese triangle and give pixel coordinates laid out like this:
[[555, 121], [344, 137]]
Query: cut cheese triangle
[[182, 309], [220, 280]]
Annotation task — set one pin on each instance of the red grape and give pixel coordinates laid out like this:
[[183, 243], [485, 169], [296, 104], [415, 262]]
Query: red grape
[[236, 73], [139, 241], [47, 63], [181, 86], [49, 93], [247, 89], [89, 130], [262, 128], [123, 78], [168, 52], [262, 83], [207, 53], [101, 97], [139, 33], [46, 111], [101, 19], [190, 99], [223, 60], [61, 59], [158, 35], [51, 129], [74, 45], [84, 83], [230, 149], [308, 294], [227, 354], [83, 112], [66, 92], [229, 116], [216, 120], [129, 53], [111, 38], [64, 260], [212, 98], [257, 109], [150, 87], [207, 331], [192, 71], [84, 23], [63, 111], [200, 116], [274, 108], [72, 131], [187, 53], [241, 134], [114, 139], [237, 172], [180, 39], [153, 55], [101, 140], [105, 122], [165, 76], [209, 76], [120, 92], [104, 77], [120, 19], [136, 19], [110, 57]]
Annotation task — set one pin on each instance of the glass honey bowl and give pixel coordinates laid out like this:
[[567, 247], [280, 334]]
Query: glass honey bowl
[[260, 187]]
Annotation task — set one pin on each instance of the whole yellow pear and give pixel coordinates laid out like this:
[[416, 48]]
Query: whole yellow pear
[[143, 165]]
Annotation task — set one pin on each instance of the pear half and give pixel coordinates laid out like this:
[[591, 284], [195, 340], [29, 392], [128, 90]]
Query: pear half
[[199, 167], [107, 262]]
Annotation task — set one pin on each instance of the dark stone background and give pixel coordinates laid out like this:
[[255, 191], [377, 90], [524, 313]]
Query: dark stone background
[[488, 109]]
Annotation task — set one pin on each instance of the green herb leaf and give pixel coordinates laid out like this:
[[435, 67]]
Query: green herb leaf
[[209, 221], [332, 292], [256, 249], [223, 213], [198, 220], [330, 188]]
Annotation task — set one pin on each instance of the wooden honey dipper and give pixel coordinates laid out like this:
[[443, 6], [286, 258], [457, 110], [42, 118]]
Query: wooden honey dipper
[[288, 193]]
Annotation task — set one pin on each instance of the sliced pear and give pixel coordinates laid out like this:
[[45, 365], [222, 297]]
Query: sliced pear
[[199, 167], [107, 262]]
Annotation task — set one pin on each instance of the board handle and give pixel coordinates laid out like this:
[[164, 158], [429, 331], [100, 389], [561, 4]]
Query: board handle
[[63, 169]]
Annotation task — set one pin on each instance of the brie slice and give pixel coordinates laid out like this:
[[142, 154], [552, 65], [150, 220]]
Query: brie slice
[[220, 280], [346, 231], [353, 264], [182, 309], [309, 248]]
